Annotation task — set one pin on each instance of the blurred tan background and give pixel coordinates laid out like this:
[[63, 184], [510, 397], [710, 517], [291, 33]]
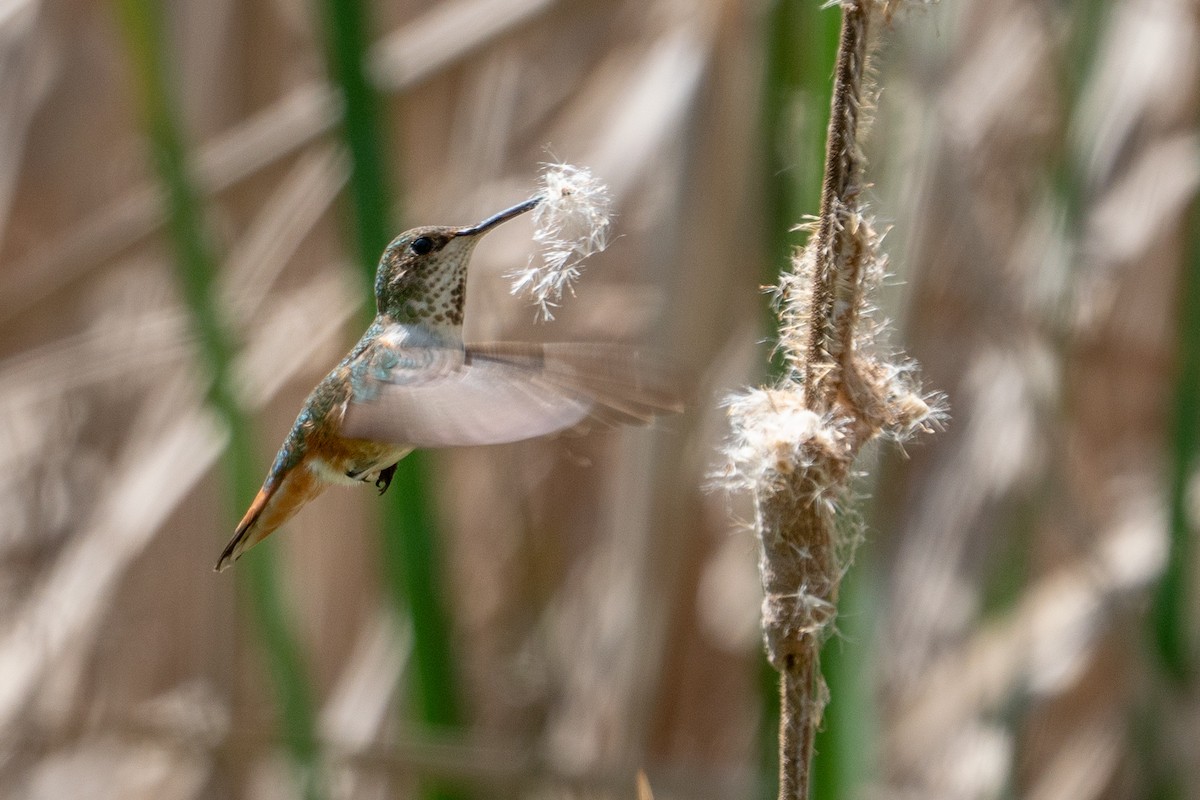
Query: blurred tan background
[[1037, 164]]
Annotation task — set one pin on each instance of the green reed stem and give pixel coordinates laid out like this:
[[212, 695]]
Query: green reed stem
[[801, 44], [412, 566], [142, 26], [1172, 622]]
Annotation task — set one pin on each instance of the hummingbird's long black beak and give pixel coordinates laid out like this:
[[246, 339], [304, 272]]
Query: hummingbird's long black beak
[[496, 219]]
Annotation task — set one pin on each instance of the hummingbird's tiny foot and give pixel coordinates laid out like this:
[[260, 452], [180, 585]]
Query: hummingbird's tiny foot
[[361, 475], [385, 478]]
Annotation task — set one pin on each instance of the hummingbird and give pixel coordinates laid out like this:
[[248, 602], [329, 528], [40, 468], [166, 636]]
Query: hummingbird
[[411, 382]]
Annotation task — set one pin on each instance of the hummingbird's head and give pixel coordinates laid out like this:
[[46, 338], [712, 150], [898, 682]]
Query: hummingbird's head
[[422, 276]]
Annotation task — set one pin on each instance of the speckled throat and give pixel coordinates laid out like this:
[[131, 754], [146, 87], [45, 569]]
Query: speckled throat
[[422, 277], [437, 295]]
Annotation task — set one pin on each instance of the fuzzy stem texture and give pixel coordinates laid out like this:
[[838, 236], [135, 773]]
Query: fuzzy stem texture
[[793, 444], [800, 574], [800, 566], [837, 265]]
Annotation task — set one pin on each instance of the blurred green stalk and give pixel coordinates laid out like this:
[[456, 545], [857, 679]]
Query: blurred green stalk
[[142, 25], [1172, 619], [845, 746], [801, 46], [1172, 624], [412, 567], [801, 41]]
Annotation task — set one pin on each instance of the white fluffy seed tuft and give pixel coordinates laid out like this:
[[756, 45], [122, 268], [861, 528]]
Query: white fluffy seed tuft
[[774, 435], [570, 223]]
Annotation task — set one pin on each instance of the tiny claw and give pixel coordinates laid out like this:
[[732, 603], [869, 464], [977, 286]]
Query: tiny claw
[[385, 478]]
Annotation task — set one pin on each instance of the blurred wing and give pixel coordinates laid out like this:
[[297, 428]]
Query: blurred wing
[[624, 385], [498, 393]]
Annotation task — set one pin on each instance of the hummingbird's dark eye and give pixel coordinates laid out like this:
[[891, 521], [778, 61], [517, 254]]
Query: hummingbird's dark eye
[[421, 245]]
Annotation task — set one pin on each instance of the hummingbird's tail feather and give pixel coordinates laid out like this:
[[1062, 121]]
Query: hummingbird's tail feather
[[276, 503]]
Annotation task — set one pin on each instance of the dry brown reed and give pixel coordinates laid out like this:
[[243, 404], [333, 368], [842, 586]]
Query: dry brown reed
[[794, 444]]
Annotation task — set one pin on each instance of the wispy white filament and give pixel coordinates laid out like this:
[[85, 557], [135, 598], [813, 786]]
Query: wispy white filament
[[570, 223]]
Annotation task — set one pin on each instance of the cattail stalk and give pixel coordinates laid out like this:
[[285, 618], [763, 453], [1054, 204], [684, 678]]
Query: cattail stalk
[[794, 443], [838, 260]]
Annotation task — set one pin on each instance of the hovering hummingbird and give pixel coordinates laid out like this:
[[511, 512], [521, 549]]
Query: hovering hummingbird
[[411, 382]]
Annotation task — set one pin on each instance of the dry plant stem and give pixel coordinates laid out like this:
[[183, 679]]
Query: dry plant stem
[[801, 682], [795, 444], [800, 574], [800, 565], [837, 265]]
